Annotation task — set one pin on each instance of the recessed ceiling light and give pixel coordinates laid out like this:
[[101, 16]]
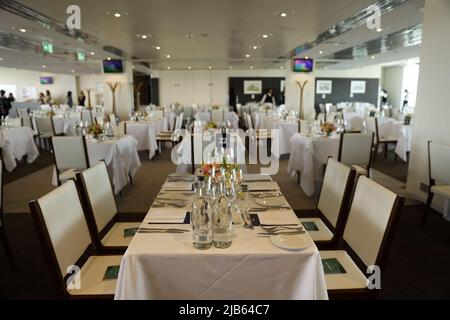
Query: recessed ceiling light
[[282, 67], [320, 52], [92, 53], [117, 15], [158, 48], [144, 36], [210, 68], [1, 59], [73, 71], [168, 56], [189, 35], [231, 67], [44, 66], [283, 14], [379, 30], [372, 57], [251, 67], [189, 68], [108, 58], [307, 57], [22, 30], [168, 68], [265, 36], [255, 47], [247, 55]]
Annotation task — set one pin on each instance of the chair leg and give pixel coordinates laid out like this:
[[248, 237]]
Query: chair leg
[[375, 153], [131, 179], [385, 150], [426, 211]]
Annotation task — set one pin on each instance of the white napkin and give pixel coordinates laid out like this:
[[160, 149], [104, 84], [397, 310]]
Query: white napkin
[[166, 215], [177, 186], [278, 218], [256, 177], [262, 186]]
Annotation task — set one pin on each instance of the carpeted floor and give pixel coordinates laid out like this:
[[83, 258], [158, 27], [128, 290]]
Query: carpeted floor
[[417, 268]]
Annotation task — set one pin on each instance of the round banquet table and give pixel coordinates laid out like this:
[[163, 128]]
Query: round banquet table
[[16, 143], [145, 133], [308, 156]]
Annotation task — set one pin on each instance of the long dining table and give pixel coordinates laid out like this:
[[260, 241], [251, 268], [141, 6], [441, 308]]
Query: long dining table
[[166, 266]]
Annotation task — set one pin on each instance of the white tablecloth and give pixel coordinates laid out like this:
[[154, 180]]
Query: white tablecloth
[[396, 130], [121, 158], [287, 129], [308, 156], [166, 266], [15, 144], [145, 133]]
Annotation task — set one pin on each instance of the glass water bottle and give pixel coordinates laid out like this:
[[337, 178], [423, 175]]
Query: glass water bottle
[[222, 218], [201, 217]]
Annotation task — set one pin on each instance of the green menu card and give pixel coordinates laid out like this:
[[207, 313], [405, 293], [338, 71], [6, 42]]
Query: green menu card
[[310, 226], [111, 273], [332, 266]]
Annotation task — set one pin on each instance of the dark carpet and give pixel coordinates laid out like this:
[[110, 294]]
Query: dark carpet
[[417, 266], [23, 168], [398, 170]]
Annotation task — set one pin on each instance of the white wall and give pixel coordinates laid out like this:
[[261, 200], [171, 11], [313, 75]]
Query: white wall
[[293, 92], [124, 93], [26, 78], [203, 87], [432, 114]]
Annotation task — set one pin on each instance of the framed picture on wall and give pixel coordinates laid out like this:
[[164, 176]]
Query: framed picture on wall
[[28, 93], [252, 87], [358, 87], [324, 87]]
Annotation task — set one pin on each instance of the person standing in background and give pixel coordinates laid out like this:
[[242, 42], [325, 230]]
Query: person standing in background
[[384, 98], [5, 104], [41, 99], [405, 100], [69, 99], [81, 99], [11, 97], [268, 97], [48, 98]]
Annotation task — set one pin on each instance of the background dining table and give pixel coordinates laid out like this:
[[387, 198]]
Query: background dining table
[[309, 154], [15, 143]]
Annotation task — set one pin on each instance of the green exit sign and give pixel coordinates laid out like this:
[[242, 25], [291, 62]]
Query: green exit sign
[[81, 56], [47, 47]]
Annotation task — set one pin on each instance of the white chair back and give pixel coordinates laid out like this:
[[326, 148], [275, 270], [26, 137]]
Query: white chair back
[[330, 117], [100, 120], [188, 111], [100, 194], [368, 219], [74, 115], [239, 109], [23, 112], [180, 119], [217, 115], [66, 224], [371, 125], [356, 148], [249, 122], [86, 116], [157, 114], [203, 116], [333, 190], [70, 153], [44, 125], [321, 117], [439, 155]]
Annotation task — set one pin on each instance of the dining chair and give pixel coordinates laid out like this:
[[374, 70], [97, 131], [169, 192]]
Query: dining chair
[[65, 239], [108, 232], [74, 115], [366, 242], [326, 224], [355, 150], [99, 120], [45, 130], [217, 116], [23, 112], [70, 156], [113, 120], [372, 124], [439, 175]]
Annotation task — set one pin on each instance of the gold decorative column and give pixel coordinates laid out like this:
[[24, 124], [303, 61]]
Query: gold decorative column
[[302, 89]]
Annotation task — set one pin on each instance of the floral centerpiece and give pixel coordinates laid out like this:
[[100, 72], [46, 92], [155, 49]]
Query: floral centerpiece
[[95, 130], [328, 128], [215, 107], [51, 114], [211, 125], [219, 169]]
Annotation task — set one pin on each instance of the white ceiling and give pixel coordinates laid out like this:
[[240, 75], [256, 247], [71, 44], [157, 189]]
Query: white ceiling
[[224, 31]]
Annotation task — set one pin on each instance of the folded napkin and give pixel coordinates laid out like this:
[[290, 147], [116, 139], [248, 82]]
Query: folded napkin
[[278, 218], [177, 186], [166, 215], [257, 177], [262, 186]]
